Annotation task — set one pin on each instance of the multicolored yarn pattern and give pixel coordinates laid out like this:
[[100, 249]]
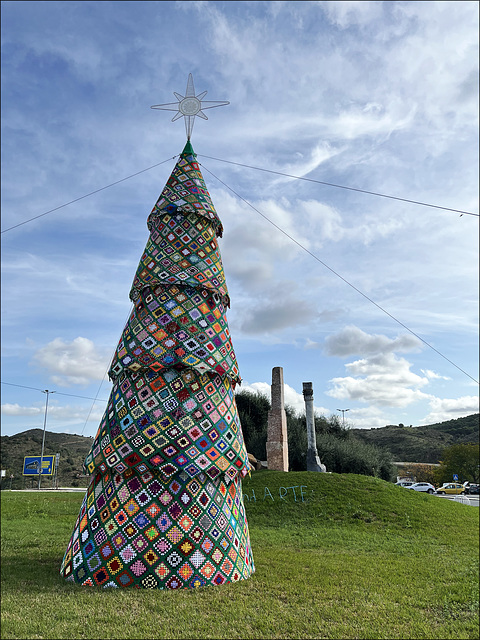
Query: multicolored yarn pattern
[[164, 508], [147, 531], [173, 326], [176, 421]]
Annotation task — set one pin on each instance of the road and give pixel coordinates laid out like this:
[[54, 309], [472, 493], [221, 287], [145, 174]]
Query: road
[[471, 500]]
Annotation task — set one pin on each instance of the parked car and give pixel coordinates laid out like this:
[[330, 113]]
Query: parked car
[[422, 486], [451, 488], [472, 489], [404, 483]]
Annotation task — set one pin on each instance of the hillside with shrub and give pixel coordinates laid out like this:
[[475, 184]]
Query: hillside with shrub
[[72, 449], [342, 450], [421, 444], [346, 450], [338, 450]]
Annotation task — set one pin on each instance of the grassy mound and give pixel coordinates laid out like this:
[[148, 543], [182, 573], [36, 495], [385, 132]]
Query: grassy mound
[[337, 556], [306, 499]]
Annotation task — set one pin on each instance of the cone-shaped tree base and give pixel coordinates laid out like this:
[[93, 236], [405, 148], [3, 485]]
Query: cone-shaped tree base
[[150, 531]]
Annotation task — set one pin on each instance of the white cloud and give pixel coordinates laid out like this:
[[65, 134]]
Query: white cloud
[[353, 341], [78, 362], [271, 316], [367, 418], [375, 120], [319, 154], [431, 375], [16, 410], [64, 413], [291, 397], [345, 13], [381, 380], [443, 409]]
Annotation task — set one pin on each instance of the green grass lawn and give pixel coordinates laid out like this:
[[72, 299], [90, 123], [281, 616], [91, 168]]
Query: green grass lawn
[[336, 556]]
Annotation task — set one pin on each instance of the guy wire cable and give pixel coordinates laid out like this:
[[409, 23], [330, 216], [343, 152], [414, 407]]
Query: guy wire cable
[[328, 184], [87, 195], [339, 276], [339, 186]]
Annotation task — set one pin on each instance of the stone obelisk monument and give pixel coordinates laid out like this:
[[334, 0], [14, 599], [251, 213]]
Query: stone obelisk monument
[[277, 441], [313, 461]]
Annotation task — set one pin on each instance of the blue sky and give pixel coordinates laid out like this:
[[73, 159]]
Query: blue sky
[[373, 300]]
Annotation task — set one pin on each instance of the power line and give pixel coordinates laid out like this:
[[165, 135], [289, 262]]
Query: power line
[[382, 195], [105, 373], [58, 393], [87, 195], [339, 186], [93, 404], [340, 276]]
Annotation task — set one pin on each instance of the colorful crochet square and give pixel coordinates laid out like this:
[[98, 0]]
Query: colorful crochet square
[[164, 508], [182, 249]]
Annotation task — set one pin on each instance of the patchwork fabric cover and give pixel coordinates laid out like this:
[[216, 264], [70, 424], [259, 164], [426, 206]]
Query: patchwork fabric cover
[[164, 508], [173, 326], [182, 249], [178, 421], [186, 188], [149, 531]]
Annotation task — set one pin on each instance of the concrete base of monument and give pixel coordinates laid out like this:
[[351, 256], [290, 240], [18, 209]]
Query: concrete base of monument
[[313, 462], [254, 463]]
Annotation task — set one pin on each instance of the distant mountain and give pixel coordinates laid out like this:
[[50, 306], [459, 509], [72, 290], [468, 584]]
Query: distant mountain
[[422, 444], [72, 449]]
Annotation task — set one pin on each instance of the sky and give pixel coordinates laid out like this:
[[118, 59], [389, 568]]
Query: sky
[[373, 299]]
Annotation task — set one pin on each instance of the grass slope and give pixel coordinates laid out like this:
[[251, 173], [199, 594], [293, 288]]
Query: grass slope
[[337, 556]]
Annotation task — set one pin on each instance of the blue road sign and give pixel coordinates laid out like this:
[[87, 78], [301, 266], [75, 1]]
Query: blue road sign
[[455, 477], [31, 465]]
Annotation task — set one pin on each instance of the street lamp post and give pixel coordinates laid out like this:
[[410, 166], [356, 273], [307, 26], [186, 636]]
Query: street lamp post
[[43, 439], [343, 415]]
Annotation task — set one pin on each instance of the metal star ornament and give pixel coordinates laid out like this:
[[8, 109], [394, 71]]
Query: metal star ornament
[[189, 106]]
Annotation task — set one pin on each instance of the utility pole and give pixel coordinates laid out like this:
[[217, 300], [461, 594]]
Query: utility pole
[[343, 415], [43, 439]]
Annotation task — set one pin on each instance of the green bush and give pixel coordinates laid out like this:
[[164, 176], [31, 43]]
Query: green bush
[[253, 410], [352, 456], [460, 459]]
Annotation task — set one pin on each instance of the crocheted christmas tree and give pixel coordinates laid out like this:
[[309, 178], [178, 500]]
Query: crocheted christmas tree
[[164, 508]]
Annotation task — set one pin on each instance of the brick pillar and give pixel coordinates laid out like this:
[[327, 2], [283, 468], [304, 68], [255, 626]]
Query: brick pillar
[[277, 441]]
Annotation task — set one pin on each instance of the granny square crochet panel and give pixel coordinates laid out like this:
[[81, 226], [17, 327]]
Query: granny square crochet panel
[[164, 508]]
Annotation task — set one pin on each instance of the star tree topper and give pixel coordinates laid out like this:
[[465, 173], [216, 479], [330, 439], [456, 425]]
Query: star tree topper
[[189, 106]]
